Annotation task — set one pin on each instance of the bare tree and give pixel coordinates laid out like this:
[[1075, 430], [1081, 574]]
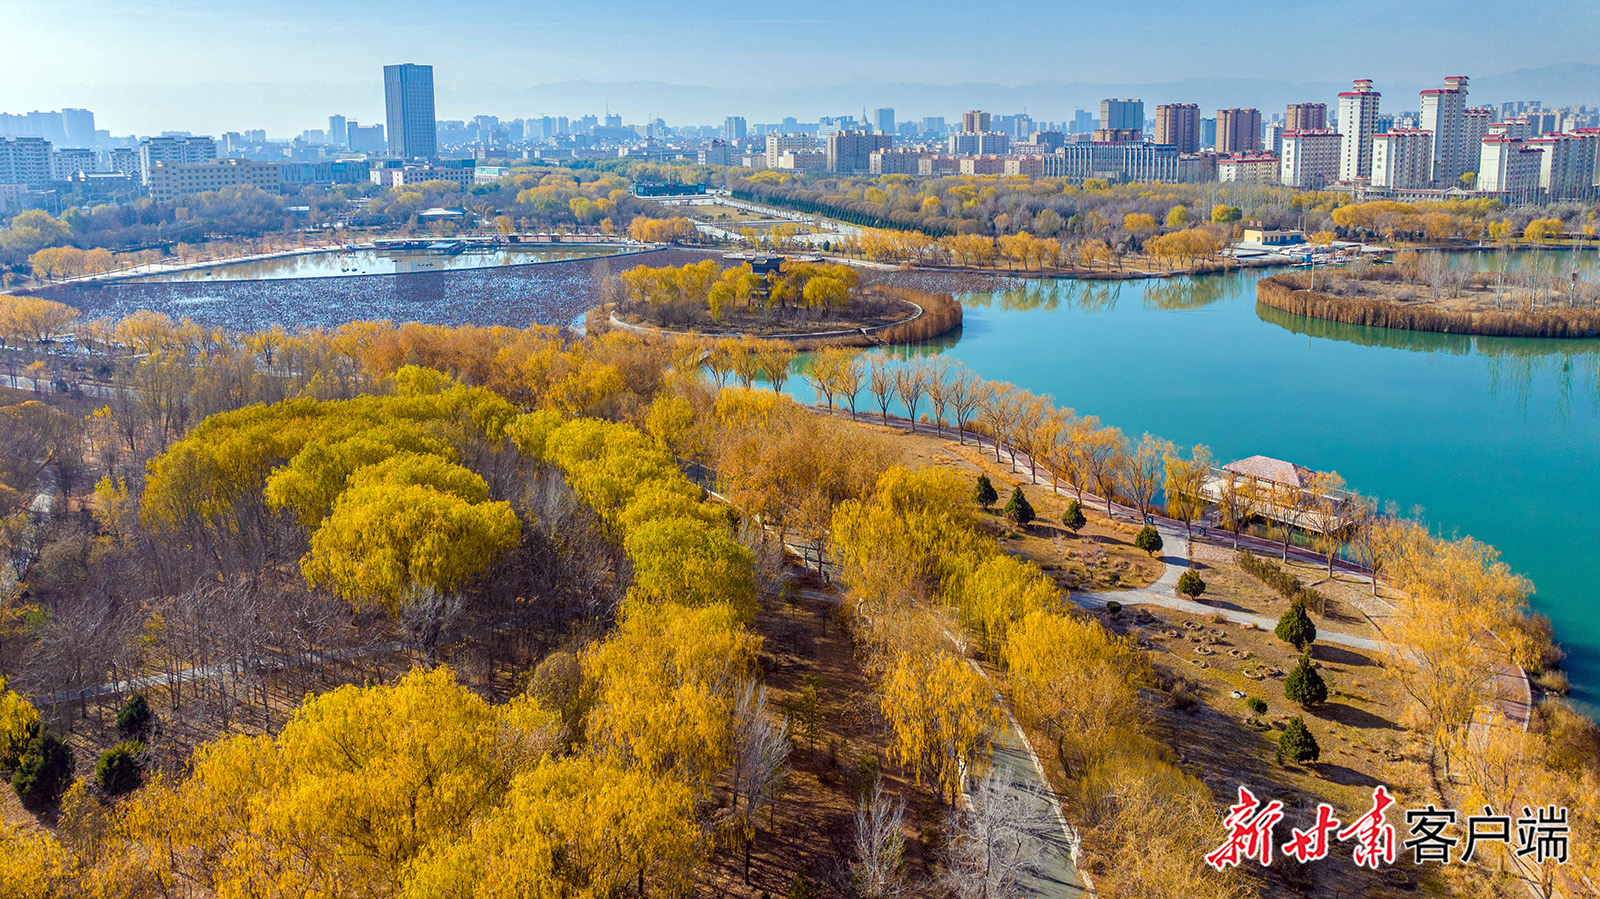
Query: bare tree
[[881, 383], [760, 762], [879, 846], [911, 383], [996, 840], [966, 393]]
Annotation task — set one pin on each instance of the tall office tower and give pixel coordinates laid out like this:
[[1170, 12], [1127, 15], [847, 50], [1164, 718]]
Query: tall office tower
[[338, 131], [1208, 133], [1307, 117], [933, 125], [1358, 121], [883, 120], [974, 120], [1444, 112], [79, 127], [408, 100], [734, 128], [1238, 130], [1178, 124], [1122, 115]]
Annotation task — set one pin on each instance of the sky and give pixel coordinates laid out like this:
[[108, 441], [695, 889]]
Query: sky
[[286, 65]]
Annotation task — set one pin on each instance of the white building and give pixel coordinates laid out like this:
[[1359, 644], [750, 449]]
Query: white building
[[779, 144], [173, 151], [1263, 169], [174, 181], [25, 161], [1566, 169], [716, 153], [1444, 112], [1358, 119], [1402, 159], [1509, 166], [70, 161], [978, 143], [397, 175], [1310, 159], [1476, 124]]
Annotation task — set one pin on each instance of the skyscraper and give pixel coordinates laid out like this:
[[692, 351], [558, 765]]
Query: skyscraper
[[1358, 122], [883, 120], [1178, 124], [734, 128], [1444, 112], [1122, 115], [408, 100], [79, 127], [338, 131], [1238, 130], [974, 120]]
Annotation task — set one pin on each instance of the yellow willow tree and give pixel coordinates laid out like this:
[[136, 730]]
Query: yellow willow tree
[[1078, 681], [943, 715], [995, 594], [1185, 485], [1452, 596]]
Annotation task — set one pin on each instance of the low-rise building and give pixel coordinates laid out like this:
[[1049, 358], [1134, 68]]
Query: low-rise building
[[340, 171], [894, 162], [803, 161], [1194, 168], [715, 153], [983, 165], [1259, 169], [393, 174], [939, 165], [779, 144], [173, 181], [978, 143], [173, 151], [1115, 162], [1031, 164]]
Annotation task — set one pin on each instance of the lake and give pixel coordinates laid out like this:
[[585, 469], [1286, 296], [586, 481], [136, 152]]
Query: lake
[[1498, 438], [343, 264]]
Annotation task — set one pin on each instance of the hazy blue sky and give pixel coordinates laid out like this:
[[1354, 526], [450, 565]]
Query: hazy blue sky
[[286, 64]]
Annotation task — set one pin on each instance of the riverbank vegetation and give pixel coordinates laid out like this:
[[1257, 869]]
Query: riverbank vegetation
[[1423, 292], [416, 611]]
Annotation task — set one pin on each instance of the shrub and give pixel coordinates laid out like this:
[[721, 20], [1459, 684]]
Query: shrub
[[44, 773], [1114, 607], [1018, 509], [1296, 744], [118, 770], [983, 494], [1295, 626], [1073, 517], [1282, 582], [1191, 585], [802, 887], [1304, 685], [1148, 539], [134, 719], [1256, 705]]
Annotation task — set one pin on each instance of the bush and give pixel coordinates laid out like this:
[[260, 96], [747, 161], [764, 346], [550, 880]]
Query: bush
[[1073, 517], [1148, 539], [1018, 509], [1256, 705], [1304, 685], [118, 770], [1114, 607], [1282, 582], [135, 720], [983, 494], [1296, 744], [45, 771], [1295, 626], [1191, 585], [802, 887]]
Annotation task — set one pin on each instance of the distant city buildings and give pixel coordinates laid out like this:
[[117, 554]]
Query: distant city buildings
[[173, 181], [25, 161], [734, 128], [1306, 117], [974, 121], [173, 151], [1120, 120], [408, 102], [365, 139], [1178, 124], [883, 120], [851, 151], [1238, 131]]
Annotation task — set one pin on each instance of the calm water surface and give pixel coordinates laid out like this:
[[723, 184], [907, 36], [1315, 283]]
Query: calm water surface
[[1498, 438]]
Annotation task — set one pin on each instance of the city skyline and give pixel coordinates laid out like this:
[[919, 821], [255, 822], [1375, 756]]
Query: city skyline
[[221, 81]]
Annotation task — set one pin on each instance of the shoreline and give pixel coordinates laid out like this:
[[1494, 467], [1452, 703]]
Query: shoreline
[[1563, 324]]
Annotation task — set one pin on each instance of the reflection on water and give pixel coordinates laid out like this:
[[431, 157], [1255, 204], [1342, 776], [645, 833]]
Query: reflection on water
[[341, 264], [1051, 294]]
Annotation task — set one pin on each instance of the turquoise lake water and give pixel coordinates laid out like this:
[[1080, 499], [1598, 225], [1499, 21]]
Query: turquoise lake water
[[1497, 438]]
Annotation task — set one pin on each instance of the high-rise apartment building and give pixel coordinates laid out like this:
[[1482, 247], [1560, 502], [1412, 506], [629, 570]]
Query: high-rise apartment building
[[1307, 117], [408, 103], [883, 120], [68, 162], [979, 143], [1238, 130], [1444, 112], [1121, 115], [779, 144], [1476, 124], [734, 128], [975, 120], [25, 160], [1310, 159], [367, 139], [1401, 159], [1178, 124], [173, 151], [79, 127], [1358, 120], [851, 151], [1566, 168], [1508, 166]]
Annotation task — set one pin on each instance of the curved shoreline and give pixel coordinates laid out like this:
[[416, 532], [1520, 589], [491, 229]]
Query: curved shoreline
[[1566, 324]]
